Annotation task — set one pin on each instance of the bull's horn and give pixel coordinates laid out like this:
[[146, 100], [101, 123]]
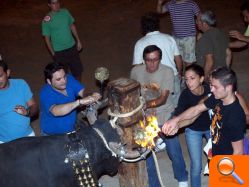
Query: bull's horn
[[120, 131], [128, 154]]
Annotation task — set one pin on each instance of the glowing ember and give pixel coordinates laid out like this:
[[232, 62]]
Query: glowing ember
[[145, 136]]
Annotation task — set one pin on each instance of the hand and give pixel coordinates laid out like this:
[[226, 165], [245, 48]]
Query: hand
[[21, 110], [236, 34], [170, 127], [90, 99], [79, 46], [97, 96]]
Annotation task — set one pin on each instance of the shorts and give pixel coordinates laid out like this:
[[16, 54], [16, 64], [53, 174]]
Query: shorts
[[186, 47], [71, 59]]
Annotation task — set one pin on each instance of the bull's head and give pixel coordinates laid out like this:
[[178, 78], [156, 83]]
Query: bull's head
[[111, 139]]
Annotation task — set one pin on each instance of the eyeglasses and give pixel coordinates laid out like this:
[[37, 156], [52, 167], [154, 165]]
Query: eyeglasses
[[152, 60]]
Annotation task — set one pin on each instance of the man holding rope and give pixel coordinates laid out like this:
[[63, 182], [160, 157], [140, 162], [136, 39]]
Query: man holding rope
[[157, 82]]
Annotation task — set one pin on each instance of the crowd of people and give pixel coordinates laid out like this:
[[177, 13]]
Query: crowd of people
[[63, 91], [209, 105], [197, 54]]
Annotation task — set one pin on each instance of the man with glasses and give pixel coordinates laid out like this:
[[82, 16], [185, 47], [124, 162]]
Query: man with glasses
[[170, 54], [157, 83], [60, 33]]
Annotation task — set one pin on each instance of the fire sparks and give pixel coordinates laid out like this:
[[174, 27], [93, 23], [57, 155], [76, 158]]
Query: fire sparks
[[149, 130]]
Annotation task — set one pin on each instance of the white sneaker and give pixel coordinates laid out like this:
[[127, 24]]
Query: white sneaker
[[183, 184], [160, 145]]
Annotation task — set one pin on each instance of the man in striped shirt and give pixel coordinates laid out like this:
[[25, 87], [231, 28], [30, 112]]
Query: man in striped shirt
[[182, 14]]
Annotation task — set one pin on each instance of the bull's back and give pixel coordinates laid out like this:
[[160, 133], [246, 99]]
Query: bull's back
[[35, 161]]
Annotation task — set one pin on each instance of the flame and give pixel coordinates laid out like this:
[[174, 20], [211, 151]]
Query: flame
[[149, 130]]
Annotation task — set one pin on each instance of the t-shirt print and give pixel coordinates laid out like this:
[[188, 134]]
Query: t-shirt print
[[216, 124]]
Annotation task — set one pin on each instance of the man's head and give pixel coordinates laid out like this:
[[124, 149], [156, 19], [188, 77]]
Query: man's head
[[152, 56], [54, 5], [223, 81], [55, 75], [205, 20], [4, 75], [150, 22], [245, 11]]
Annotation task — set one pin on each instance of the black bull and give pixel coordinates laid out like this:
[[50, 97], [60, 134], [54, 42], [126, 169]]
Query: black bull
[[41, 161]]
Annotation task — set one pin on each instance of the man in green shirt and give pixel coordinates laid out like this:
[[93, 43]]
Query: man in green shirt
[[61, 37]]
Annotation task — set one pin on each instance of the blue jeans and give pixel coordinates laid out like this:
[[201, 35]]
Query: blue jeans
[[194, 144], [174, 151]]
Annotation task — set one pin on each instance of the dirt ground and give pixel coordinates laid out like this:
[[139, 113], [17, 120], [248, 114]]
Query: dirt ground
[[108, 30]]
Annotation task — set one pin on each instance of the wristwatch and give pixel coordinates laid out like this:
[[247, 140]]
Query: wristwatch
[[28, 112]]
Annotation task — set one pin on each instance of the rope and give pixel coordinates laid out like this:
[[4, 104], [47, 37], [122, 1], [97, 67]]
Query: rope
[[141, 157], [105, 142], [128, 114], [124, 115], [157, 169]]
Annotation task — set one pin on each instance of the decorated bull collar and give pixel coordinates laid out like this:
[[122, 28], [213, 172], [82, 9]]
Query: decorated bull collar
[[78, 156]]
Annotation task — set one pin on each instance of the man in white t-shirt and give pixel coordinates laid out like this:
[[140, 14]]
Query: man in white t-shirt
[[170, 53]]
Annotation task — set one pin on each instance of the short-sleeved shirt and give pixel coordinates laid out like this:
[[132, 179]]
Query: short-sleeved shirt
[[57, 26], [163, 78], [164, 41], [12, 124], [188, 99], [214, 42], [182, 17], [228, 125], [49, 123]]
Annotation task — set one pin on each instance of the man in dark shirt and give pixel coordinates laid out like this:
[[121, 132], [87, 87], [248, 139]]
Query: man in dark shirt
[[212, 48], [228, 118]]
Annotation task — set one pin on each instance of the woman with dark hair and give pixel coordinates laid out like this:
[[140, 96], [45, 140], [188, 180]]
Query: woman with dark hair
[[195, 91]]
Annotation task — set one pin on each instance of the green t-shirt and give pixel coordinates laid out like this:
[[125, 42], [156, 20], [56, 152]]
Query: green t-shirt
[[57, 26], [247, 31]]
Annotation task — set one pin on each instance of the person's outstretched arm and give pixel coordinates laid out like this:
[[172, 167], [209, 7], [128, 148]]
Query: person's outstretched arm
[[75, 33], [171, 127]]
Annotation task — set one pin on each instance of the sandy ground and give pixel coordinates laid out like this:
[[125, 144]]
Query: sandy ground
[[108, 30]]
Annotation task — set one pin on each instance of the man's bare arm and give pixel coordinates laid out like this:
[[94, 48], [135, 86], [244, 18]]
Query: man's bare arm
[[209, 64], [171, 126], [237, 44], [32, 107], [244, 105], [75, 33], [49, 45], [228, 58], [158, 101], [178, 62], [159, 8], [64, 109], [237, 147], [239, 36], [30, 111]]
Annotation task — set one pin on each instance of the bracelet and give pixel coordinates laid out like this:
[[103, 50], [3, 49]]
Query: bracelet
[[28, 112], [78, 102], [153, 103]]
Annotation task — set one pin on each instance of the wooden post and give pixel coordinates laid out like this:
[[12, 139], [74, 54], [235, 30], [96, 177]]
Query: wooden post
[[123, 97]]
